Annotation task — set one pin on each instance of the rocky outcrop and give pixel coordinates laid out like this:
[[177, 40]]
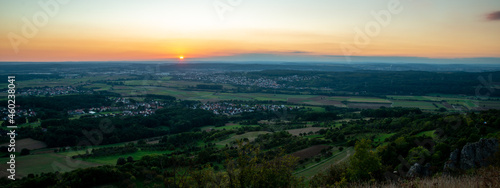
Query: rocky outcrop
[[452, 163], [475, 155], [472, 155], [418, 170]]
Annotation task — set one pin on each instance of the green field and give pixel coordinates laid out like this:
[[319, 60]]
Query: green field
[[317, 109], [36, 124], [324, 164], [382, 137], [368, 100], [418, 104], [314, 136], [35, 164], [401, 97], [427, 133], [111, 160], [227, 127]]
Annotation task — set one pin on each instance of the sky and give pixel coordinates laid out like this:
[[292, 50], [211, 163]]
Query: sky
[[248, 30]]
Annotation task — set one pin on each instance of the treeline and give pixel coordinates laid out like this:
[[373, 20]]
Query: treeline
[[64, 102], [211, 87], [390, 112], [108, 151], [393, 82], [65, 132], [56, 107]]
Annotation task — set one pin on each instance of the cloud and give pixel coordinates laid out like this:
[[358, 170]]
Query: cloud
[[493, 16], [298, 52]]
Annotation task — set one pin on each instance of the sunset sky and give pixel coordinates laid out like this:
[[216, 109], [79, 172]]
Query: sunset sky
[[302, 30]]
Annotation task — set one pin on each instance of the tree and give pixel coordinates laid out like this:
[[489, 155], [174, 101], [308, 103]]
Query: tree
[[364, 164], [121, 161], [130, 159], [418, 155]]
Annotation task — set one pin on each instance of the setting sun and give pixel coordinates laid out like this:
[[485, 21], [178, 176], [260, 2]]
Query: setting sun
[[181, 57]]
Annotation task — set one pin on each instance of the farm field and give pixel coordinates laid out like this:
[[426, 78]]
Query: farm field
[[310, 151], [250, 135], [28, 143], [182, 90], [419, 104], [367, 105], [368, 100], [489, 105], [43, 163], [296, 132]]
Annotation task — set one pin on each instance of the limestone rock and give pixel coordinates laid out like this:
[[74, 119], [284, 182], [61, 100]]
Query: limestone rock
[[474, 155], [418, 170]]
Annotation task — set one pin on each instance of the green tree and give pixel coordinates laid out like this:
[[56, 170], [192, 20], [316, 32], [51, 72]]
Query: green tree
[[364, 164], [418, 155], [121, 161]]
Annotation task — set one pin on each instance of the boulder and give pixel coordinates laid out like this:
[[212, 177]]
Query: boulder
[[418, 170], [472, 155], [452, 163]]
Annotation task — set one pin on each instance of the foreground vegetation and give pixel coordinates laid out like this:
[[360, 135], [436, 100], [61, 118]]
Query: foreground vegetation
[[356, 135]]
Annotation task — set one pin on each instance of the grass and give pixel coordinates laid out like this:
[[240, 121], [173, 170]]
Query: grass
[[317, 109], [419, 104], [36, 124], [427, 133], [382, 137], [111, 160], [324, 164], [36, 164], [314, 136], [483, 177], [227, 127], [77, 152], [368, 100]]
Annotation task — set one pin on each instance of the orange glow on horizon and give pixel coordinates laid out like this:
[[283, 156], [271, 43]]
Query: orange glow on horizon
[[181, 57]]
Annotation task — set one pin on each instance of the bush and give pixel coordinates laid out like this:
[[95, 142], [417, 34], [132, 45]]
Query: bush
[[25, 151], [365, 164], [121, 161]]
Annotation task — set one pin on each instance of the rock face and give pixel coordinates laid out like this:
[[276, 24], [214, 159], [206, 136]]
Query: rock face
[[418, 170], [472, 155], [453, 161]]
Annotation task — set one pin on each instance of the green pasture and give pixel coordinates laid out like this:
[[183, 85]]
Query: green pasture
[[43, 163], [111, 160], [418, 104], [427, 133]]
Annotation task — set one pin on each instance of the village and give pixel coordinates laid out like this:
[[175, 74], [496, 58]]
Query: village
[[227, 108], [276, 83]]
